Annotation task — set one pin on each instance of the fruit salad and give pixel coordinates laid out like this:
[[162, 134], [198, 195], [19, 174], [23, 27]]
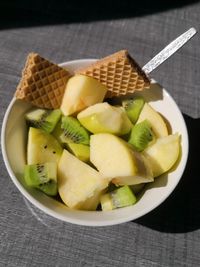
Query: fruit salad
[[93, 153]]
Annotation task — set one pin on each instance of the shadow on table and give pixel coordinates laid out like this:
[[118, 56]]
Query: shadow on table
[[31, 13], [180, 213]]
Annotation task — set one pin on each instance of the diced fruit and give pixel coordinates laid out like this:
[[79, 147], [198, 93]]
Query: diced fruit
[[35, 116], [43, 177], [106, 202], [51, 188], [42, 147], [114, 158], [163, 154], [81, 92], [69, 130], [81, 151], [73, 131], [118, 198], [51, 120], [141, 135], [133, 107], [77, 181], [43, 119], [104, 118], [143, 172], [92, 202], [37, 174], [157, 122], [57, 132]]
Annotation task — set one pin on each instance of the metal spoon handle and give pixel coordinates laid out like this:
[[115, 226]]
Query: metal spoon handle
[[169, 50]]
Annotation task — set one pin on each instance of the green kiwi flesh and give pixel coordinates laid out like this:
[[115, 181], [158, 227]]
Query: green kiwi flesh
[[42, 176], [43, 119], [73, 131], [120, 197], [133, 107], [81, 151], [141, 135]]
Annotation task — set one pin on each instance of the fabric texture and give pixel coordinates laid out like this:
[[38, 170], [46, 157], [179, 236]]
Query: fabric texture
[[169, 235]]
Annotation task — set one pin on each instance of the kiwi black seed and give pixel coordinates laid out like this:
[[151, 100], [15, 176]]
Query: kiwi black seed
[[73, 131], [42, 176]]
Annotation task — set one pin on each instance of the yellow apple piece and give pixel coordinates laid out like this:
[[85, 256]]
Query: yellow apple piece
[[77, 181], [155, 119], [163, 154], [92, 202], [81, 92], [114, 158], [42, 147], [105, 118], [142, 174]]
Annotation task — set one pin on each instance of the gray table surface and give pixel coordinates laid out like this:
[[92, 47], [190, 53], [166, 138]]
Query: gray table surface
[[169, 235]]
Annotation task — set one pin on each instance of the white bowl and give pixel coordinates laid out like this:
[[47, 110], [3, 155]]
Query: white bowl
[[13, 141]]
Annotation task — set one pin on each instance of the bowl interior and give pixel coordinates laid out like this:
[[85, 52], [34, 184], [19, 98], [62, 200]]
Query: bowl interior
[[14, 138]]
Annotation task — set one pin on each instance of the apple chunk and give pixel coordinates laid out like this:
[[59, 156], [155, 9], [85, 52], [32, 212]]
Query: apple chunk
[[157, 122], [105, 118], [114, 158], [78, 182], [163, 154], [42, 147], [92, 202], [81, 92]]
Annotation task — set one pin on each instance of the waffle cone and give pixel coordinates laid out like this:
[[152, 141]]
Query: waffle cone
[[42, 83], [119, 73]]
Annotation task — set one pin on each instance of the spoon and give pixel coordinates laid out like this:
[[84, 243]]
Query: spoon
[[169, 50]]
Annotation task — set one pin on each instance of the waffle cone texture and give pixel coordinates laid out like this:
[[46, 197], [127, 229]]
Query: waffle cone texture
[[43, 82], [119, 73]]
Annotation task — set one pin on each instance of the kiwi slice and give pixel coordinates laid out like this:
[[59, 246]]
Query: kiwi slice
[[133, 107], [141, 135], [50, 188], [57, 132], [42, 176], [81, 151], [121, 197], [73, 131], [43, 119]]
